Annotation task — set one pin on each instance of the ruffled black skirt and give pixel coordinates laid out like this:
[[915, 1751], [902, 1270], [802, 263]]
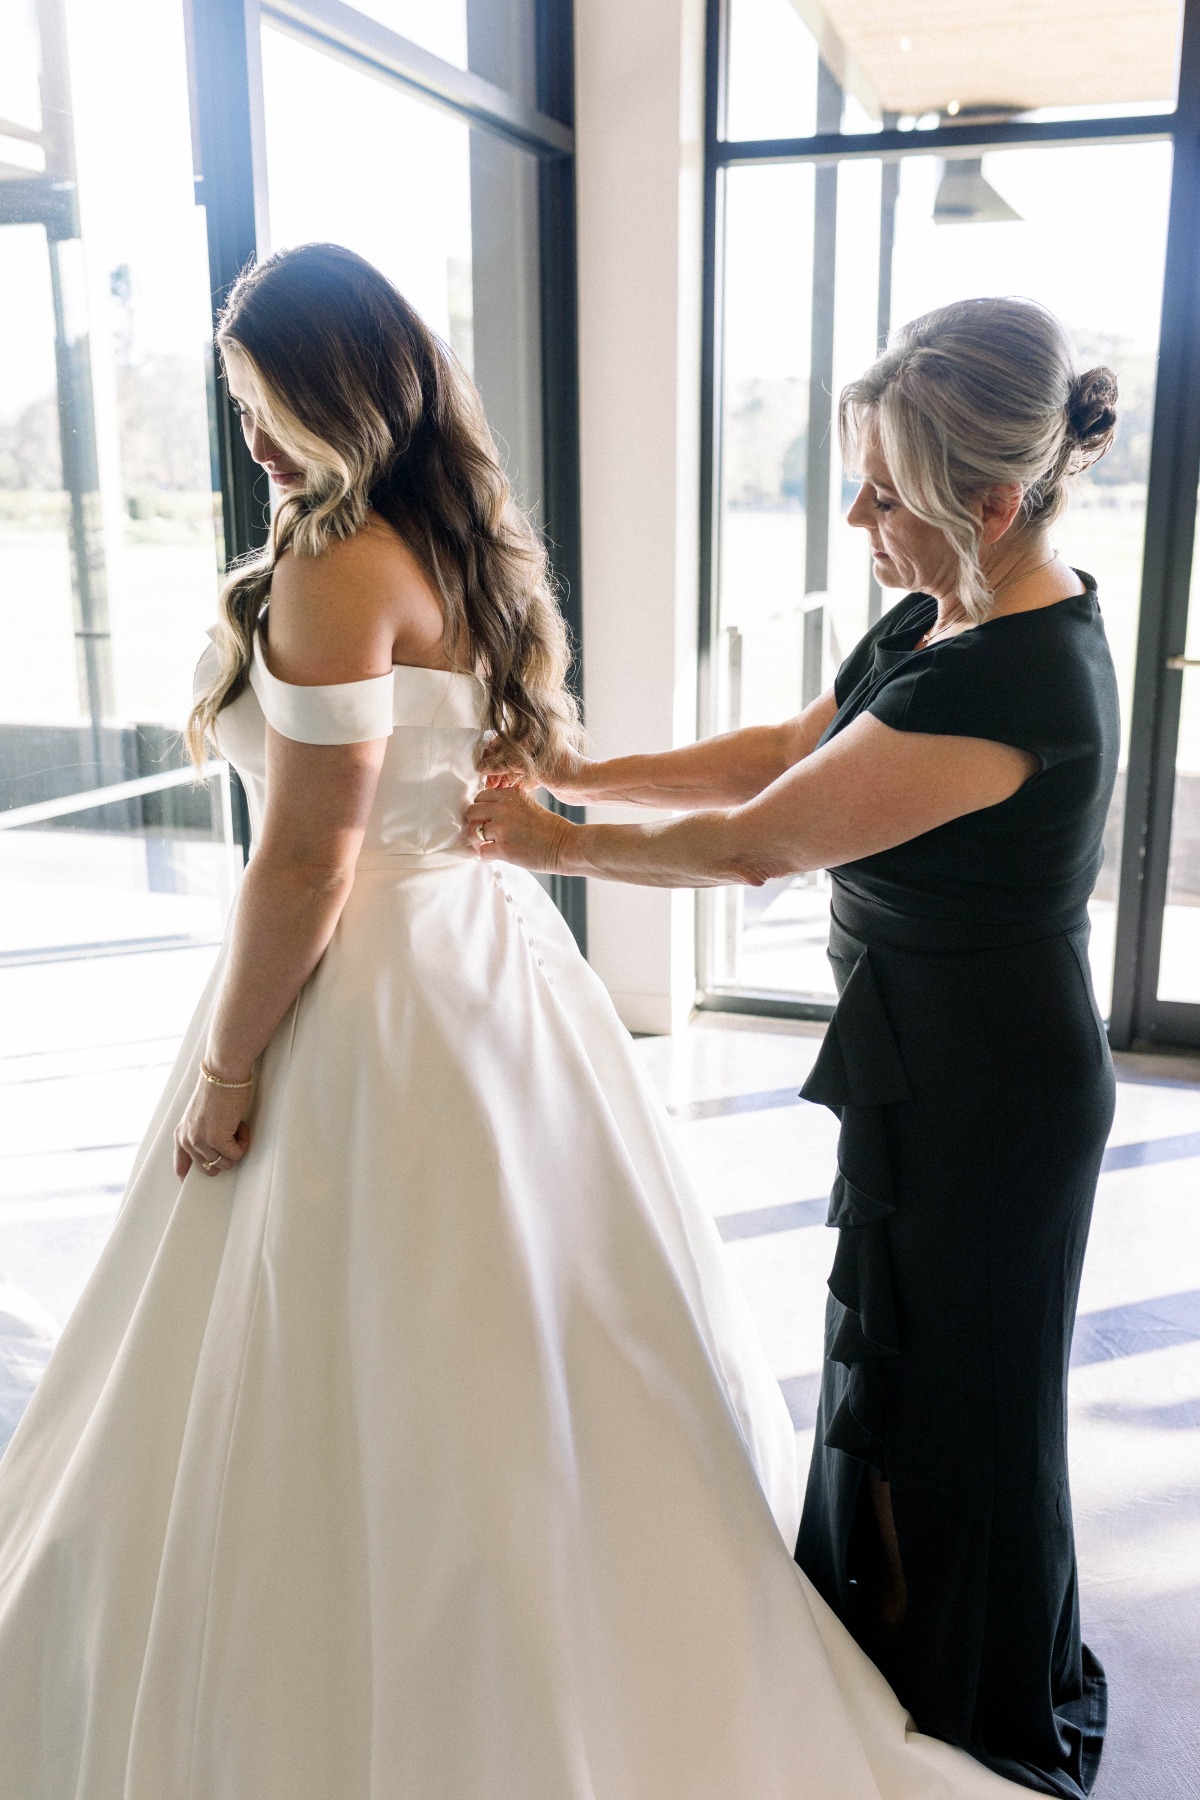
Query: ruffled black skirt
[[975, 1092]]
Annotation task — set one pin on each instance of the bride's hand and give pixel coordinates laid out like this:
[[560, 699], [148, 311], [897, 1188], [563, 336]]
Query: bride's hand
[[567, 777], [213, 1133], [505, 824]]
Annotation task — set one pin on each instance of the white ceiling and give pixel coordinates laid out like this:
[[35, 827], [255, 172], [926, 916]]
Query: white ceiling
[[1020, 53]]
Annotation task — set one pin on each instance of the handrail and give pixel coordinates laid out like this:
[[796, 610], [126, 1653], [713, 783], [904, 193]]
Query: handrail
[[106, 796]]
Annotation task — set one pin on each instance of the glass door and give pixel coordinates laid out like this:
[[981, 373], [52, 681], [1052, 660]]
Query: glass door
[[1166, 1001], [1179, 954], [794, 590], [857, 177]]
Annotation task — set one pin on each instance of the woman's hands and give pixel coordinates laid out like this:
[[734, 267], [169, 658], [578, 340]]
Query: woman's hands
[[507, 824], [567, 778], [213, 1133], [866, 790], [719, 772]]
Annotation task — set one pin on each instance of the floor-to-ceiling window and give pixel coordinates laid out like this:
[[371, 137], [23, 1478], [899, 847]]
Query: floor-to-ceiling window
[[148, 150], [866, 165], [108, 550]]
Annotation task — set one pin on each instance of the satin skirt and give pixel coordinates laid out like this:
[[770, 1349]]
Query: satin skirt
[[431, 1453], [975, 1092]]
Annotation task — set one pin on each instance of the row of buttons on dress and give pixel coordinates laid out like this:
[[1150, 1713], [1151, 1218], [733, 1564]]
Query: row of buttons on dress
[[509, 901]]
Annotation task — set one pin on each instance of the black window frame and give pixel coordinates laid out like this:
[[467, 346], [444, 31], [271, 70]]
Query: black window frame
[[1137, 1015], [225, 72]]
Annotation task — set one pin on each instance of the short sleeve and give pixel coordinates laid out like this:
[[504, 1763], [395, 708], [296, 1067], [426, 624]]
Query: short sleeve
[[350, 712], [1039, 680], [964, 689]]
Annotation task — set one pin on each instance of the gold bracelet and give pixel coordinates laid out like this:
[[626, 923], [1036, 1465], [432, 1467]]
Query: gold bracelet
[[215, 1080]]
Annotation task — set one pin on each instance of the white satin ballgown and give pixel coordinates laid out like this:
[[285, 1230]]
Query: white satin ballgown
[[430, 1454]]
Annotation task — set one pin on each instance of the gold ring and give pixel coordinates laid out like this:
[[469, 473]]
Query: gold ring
[[210, 1166], [482, 835]]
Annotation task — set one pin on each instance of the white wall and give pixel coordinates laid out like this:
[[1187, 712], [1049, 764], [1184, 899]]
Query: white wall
[[639, 102]]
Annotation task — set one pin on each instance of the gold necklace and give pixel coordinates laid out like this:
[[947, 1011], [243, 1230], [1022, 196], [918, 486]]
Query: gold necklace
[[928, 637], [1014, 579]]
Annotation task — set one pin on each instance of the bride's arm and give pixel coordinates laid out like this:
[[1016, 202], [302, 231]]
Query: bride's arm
[[720, 771], [291, 898], [319, 797]]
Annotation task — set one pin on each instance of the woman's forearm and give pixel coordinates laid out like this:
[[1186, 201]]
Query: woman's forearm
[[719, 771], [286, 914], [705, 849]]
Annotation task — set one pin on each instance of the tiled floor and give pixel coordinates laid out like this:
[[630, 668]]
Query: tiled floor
[[84, 1047]]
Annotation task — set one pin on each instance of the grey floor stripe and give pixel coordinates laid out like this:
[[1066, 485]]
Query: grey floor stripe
[[66, 1150], [761, 1221], [1119, 1331], [55, 1196], [1154, 1150], [723, 1105], [102, 1071], [59, 953], [1105, 1336], [802, 1393], [1117, 1156]]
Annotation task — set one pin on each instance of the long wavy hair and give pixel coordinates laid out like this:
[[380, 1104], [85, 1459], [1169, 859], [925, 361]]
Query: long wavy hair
[[379, 414]]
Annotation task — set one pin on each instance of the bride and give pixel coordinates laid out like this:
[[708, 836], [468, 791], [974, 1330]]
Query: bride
[[411, 1440]]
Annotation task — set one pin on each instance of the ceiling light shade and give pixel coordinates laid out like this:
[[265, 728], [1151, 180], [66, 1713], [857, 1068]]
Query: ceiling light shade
[[965, 198]]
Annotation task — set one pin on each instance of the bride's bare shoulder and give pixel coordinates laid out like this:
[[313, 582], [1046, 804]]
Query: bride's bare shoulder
[[350, 612]]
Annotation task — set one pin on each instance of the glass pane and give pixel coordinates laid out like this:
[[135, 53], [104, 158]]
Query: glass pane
[[771, 76], [773, 566], [913, 64], [39, 683], [461, 242], [109, 914], [1179, 962], [493, 38], [1118, 197], [759, 634], [20, 88], [153, 872], [108, 547]]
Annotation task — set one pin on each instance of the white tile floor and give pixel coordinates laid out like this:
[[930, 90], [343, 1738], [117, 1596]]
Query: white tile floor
[[84, 1047]]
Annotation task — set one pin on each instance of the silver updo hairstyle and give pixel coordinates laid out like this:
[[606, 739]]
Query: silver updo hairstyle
[[976, 395]]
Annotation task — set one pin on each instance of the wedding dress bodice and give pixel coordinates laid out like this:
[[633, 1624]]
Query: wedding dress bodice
[[432, 719]]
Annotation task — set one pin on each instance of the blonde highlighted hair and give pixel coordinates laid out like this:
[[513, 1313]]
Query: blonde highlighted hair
[[348, 380], [974, 396]]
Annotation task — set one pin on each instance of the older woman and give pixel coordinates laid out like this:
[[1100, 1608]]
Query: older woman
[[955, 780]]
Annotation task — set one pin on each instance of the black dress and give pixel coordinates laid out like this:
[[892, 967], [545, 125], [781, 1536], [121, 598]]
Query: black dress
[[969, 1067]]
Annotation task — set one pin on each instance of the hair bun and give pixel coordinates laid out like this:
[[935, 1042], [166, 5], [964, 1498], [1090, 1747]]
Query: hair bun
[[1092, 413]]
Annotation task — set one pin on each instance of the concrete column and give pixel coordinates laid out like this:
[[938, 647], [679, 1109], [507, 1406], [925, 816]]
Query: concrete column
[[639, 141]]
